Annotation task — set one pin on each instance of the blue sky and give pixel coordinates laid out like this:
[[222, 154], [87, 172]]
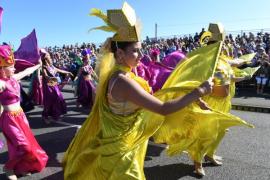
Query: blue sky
[[59, 22]]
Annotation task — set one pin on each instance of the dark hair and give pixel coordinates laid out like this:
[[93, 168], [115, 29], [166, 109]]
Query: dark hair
[[120, 45], [42, 56]]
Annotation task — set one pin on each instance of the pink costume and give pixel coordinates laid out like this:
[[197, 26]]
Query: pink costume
[[25, 154]]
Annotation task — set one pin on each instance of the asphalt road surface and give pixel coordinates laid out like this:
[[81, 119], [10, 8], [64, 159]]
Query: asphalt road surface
[[245, 151]]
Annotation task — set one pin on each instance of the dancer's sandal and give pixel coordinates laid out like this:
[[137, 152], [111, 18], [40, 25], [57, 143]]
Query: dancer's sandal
[[46, 120], [216, 160], [26, 174], [10, 174], [199, 169]]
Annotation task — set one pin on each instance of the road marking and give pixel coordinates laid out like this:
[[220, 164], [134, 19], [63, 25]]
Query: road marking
[[67, 124]]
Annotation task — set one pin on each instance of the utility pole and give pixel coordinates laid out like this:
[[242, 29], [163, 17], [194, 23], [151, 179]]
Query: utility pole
[[156, 31]]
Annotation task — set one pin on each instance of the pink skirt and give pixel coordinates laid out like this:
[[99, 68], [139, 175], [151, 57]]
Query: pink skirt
[[25, 154]]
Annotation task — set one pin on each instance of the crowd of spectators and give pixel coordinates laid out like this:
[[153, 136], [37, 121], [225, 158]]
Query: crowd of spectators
[[240, 45], [68, 57]]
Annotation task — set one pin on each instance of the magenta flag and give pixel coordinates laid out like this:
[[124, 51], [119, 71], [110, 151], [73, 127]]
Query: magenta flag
[[154, 72], [159, 75], [172, 59], [28, 49], [1, 13], [142, 68], [22, 64]]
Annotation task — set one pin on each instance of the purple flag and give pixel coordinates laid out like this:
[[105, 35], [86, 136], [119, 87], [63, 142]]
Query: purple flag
[[28, 49], [154, 72], [22, 64], [1, 13], [159, 75], [172, 59], [142, 68]]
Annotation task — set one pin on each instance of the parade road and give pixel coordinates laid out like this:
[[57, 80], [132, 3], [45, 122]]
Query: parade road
[[245, 151]]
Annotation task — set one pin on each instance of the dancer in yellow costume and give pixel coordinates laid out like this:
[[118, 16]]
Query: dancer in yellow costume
[[224, 86], [197, 128], [112, 142]]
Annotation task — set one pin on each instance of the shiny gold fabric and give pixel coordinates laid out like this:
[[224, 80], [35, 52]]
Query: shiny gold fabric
[[110, 146], [223, 104], [248, 71], [192, 129]]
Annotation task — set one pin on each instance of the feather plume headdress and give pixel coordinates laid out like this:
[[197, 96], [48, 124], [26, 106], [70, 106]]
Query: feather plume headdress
[[122, 22]]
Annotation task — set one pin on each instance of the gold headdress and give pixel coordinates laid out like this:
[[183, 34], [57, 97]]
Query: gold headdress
[[215, 33], [6, 56], [204, 39], [122, 22]]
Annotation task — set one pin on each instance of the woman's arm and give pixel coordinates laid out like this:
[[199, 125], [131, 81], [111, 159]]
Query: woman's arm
[[129, 90], [44, 73], [38, 76], [26, 72], [95, 76], [63, 71], [78, 75], [2, 86]]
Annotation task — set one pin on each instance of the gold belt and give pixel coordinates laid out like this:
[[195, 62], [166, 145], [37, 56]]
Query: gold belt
[[15, 113]]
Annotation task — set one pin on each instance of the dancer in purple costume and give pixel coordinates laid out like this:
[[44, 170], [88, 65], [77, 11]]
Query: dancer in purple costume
[[87, 83], [54, 103], [36, 92], [25, 154]]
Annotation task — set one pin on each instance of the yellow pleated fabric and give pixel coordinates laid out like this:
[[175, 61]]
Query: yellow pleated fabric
[[223, 104], [110, 146], [113, 147], [192, 129], [248, 71]]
